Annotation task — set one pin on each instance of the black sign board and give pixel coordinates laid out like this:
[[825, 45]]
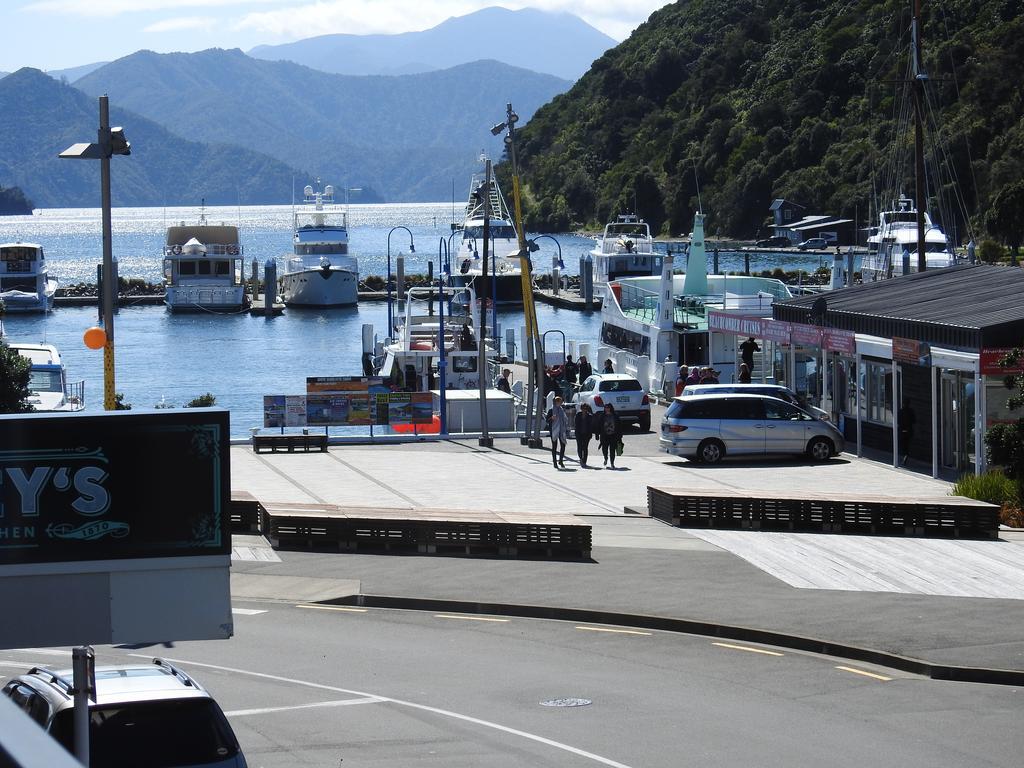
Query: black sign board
[[112, 486]]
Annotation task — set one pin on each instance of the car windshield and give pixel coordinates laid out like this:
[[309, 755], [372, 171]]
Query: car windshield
[[156, 734], [620, 385]]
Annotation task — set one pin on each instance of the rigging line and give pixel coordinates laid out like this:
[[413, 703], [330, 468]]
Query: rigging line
[[956, 86], [942, 148]]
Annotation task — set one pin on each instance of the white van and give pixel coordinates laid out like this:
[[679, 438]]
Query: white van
[[708, 427]]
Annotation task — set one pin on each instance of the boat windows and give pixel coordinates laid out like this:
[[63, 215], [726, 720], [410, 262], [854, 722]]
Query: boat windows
[[222, 267], [186, 267], [202, 267], [621, 338], [464, 363], [45, 381], [321, 249], [27, 284]]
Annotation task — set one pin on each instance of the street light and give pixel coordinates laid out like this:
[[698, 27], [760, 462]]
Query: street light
[[109, 142], [412, 249]]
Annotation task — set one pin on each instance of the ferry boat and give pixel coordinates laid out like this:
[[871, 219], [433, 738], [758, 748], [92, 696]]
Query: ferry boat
[[626, 249], [25, 282], [321, 273], [633, 318], [893, 246], [48, 383], [504, 276], [203, 268]]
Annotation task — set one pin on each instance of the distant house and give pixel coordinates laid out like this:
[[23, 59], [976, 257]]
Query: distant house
[[784, 213], [793, 220]]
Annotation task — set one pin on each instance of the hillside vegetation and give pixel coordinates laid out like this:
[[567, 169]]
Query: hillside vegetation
[[14, 202], [759, 99]]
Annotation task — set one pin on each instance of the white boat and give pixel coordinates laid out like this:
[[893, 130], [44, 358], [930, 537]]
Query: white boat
[[893, 246], [626, 249], [25, 283], [504, 276], [49, 386], [321, 272], [636, 321], [203, 268]]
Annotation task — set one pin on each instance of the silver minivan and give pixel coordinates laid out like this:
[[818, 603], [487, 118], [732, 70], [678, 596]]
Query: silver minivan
[[772, 390], [708, 427]]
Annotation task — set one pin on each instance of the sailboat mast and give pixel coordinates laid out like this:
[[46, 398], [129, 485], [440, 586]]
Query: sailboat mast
[[920, 77]]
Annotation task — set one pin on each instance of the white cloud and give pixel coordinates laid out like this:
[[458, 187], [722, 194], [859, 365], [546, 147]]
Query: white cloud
[[614, 18], [119, 7], [203, 23]]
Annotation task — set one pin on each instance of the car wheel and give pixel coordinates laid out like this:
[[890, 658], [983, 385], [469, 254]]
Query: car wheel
[[645, 423], [820, 449], [710, 451]]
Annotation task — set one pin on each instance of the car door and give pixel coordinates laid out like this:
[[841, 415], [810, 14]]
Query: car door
[[742, 424], [785, 427], [583, 395]]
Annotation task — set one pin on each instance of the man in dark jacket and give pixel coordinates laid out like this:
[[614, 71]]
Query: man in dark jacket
[[586, 370]]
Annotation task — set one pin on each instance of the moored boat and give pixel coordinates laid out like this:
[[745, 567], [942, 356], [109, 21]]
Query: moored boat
[[321, 272], [625, 249], [893, 246], [48, 382], [25, 282], [203, 268]]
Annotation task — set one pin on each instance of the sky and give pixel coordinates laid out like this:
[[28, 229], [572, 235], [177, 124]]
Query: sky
[[57, 34]]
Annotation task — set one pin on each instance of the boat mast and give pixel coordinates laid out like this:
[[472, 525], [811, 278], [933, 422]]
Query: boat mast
[[920, 77]]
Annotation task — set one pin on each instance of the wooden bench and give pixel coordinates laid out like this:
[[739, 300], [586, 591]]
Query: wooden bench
[[427, 531], [825, 512], [289, 442], [245, 512]]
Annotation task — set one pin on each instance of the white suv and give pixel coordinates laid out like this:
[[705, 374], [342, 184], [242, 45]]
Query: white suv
[[151, 715], [624, 392]]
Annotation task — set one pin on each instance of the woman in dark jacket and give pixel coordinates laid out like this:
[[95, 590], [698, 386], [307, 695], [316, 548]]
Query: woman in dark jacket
[[609, 432], [584, 429]]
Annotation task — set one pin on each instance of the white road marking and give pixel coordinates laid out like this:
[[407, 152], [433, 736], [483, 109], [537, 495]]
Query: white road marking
[[269, 710], [342, 608], [865, 673], [616, 631], [469, 618], [23, 665], [748, 648], [42, 651], [247, 611], [444, 712]]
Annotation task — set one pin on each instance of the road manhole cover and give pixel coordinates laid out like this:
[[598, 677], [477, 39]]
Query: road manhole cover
[[566, 703]]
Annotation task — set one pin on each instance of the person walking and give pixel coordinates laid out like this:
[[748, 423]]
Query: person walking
[[584, 430], [609, 433], [608, 368], [680, 380], [585, 369], [747, 350], [569, 370], [503, 384], [744, 373], [558, 426]]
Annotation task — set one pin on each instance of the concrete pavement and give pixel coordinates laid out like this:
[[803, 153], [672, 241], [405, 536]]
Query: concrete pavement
[[642, 566]]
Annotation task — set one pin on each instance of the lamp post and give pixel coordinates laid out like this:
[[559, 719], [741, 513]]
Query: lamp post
[[534, 402], [109, 142], [442, 361], [533, 247], [412, 249]]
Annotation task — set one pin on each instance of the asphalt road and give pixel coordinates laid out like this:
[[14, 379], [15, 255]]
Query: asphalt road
[[335, 687]]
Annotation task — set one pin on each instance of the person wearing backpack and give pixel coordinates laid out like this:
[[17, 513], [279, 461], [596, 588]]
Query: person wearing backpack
[[608, 431]]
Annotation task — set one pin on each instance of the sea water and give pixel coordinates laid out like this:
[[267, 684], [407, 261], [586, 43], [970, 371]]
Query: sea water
[[168, 359]]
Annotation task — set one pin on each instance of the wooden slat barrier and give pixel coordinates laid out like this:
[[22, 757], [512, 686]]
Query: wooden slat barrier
[[829, 513], [289, 442], [427, 531], [245, 512]]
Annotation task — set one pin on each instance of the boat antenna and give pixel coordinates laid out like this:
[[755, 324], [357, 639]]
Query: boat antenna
[[696, 181]]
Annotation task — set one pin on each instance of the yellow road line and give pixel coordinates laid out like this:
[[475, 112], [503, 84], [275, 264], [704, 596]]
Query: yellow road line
[[469, 618], [332, 608], [616, 631], [748, 649], [865, 673]]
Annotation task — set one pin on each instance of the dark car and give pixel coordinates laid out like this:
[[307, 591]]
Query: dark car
[[774, 242]]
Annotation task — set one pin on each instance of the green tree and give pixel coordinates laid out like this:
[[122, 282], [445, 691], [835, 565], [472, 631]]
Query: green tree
[[1005, 217], [15, 372], [1005, 442], [120, 404], [203, 401]]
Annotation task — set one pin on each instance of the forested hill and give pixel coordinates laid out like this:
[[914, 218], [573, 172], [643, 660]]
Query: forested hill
[[759, 99]]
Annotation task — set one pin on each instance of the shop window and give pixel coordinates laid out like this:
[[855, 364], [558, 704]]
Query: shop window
[[876, 394]]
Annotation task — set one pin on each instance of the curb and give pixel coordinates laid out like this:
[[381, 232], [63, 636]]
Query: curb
[[921, 667]]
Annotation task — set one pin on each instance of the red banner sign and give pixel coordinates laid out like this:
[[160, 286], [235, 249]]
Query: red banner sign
[[838, 340], [989, 362], [806, 335]]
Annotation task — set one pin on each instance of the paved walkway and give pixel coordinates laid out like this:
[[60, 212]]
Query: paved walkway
[[897, 595]]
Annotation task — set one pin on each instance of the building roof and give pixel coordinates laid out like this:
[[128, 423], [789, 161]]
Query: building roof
[[808, 224], [779, 202], [969, 307]]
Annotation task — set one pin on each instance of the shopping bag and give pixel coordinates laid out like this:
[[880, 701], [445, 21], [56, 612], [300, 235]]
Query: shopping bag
[[619, 448]]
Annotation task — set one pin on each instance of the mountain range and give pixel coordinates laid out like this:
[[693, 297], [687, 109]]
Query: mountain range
[[40, 117], [559, 44], [407, 137]]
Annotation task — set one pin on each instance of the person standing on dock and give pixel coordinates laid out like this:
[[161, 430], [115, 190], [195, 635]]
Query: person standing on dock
[[744, 373], [586, 370], [694, 377], [747, 350], [584, 430], [503, 385], [608, 367], [558, 426]]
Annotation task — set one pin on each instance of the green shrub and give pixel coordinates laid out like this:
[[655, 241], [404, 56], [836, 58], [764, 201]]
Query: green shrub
[[990, 252], [993, 487], [203, 401]]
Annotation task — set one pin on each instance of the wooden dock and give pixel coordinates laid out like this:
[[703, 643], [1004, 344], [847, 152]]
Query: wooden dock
[[258, 307], [565, 300]]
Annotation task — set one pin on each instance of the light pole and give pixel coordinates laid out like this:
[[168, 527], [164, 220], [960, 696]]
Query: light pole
[[109, 142], [533, 247], [442, 361], [412, 249], [534, 402]]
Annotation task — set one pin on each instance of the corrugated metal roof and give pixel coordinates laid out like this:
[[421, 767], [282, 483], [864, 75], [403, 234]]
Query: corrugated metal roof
[[969, 306]]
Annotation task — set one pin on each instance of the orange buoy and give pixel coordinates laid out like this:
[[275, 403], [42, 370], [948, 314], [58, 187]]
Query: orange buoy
[[95, 338]]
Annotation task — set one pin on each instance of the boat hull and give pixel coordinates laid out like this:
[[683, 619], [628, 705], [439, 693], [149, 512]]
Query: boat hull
[[221, 300], [320, 288], [21, 304]]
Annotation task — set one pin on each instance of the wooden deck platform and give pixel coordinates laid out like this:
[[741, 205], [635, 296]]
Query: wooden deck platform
[[825, 512], [408, 530]]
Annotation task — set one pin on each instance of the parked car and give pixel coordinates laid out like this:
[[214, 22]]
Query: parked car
[[144, 714], [708, 427], [814, 244], [771, 390], [778, 241], [624, 392]]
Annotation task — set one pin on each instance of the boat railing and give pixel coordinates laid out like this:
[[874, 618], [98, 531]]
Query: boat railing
[[212, 249], [627, 245], [74, 394]]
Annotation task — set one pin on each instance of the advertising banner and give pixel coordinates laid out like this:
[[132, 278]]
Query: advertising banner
[[911, 352], [723, 322], [295, 410], [273, 410], [989, 362], [113, 486], [838, 340], [777, 331], [805, 335]]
